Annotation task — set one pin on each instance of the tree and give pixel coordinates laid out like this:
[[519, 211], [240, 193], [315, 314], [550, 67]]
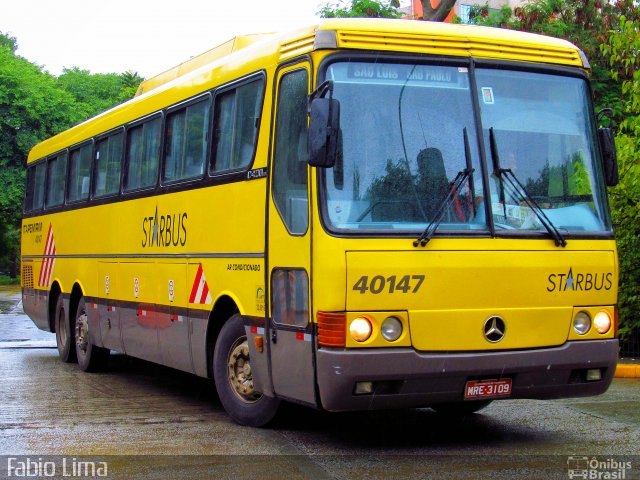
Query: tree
[[35, 105], [95, 93], [621, 49], [362, 9], [439, 13]]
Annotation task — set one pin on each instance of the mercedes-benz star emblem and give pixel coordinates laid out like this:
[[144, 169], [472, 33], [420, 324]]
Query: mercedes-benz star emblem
[[494, 329]]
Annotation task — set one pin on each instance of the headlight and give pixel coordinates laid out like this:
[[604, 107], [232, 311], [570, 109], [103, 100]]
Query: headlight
[[391, 329], [360, 329], [602, 321], [582, 323]]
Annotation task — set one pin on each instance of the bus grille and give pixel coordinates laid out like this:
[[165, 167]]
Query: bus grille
[[459, 46], [27, 276], [297, 47]]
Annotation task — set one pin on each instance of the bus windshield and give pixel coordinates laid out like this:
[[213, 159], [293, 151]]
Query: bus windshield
[[544, 135], [402, 144]]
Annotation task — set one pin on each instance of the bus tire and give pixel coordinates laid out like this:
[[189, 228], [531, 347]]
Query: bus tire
[[232, 377], [91, 358], [460, 409], [64, 335]]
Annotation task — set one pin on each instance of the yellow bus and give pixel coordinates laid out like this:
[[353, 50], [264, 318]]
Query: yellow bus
[[360, 214]]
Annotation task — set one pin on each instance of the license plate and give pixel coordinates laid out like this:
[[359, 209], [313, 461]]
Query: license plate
[[487, 388]]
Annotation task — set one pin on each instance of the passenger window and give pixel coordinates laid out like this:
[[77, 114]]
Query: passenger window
[[143, 155], [186, 142], [34, 198], [79, 173], [56, 179], [108, 165], [237, 115], [290, 156]]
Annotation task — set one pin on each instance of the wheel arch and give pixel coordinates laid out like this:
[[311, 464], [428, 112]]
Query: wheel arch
[[54, 292], [224, 308], [76, 295]]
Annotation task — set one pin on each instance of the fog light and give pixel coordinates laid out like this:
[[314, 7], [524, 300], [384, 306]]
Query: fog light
[[602, 321], [363, 388], [593, 375], [391, 329], [360, 329], [582, 323]]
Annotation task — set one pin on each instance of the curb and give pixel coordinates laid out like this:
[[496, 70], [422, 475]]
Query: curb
[[624, 370]]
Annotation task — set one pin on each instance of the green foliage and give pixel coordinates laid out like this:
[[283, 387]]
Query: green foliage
[[35, 105], [95, 93], [622, 51], [483, 15], [361, 9], [9, 280]]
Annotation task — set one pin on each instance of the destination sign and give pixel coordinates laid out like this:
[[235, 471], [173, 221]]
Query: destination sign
[[399, 73]]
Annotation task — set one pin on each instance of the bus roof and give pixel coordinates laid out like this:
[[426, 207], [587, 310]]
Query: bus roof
[[242, 55]]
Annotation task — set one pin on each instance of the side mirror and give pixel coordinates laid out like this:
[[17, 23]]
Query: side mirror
[[609, 156], [324, 126]]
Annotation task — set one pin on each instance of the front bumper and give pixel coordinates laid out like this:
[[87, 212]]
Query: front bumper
[[407, 378]]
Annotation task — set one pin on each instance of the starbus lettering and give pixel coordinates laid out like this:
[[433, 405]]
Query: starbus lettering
[[579, 281], [164, 230]]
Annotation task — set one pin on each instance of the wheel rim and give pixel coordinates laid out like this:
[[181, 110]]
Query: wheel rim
[[82, 332], [239, 372]]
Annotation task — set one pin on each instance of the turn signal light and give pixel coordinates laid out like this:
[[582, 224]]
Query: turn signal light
[[332, 329]]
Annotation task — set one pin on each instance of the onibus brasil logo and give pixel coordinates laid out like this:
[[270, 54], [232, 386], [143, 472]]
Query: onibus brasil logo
[[595, 468]]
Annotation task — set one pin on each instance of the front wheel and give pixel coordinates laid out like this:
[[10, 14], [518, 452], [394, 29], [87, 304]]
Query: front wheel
[[233, 379], [91, 358]]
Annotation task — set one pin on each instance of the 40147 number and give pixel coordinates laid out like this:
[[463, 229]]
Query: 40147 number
[[392, 284]]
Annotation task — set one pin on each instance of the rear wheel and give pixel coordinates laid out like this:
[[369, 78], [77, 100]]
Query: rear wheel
[[460, 408], [91, 358], [64, 336], [233, 379]]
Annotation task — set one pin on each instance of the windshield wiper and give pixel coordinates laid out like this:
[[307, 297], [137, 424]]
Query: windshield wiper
[[454, 187], [507, 175]]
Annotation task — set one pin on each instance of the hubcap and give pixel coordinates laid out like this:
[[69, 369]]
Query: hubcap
[[82, 332], [239, 372]]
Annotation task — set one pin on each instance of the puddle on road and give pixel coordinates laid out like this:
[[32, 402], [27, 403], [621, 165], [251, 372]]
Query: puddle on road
[[6, 306]]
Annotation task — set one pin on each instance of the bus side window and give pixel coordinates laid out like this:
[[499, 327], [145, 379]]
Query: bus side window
[[290, 157], [108, 165], [186, 142], [143, 155], [56, 180], [34, 198], [236, 116], [79, 170], [38, 194]]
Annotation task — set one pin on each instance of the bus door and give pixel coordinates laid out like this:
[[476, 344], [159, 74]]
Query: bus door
[[289, 327]]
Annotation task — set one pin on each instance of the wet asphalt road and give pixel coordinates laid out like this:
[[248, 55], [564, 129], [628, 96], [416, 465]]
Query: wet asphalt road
[[138, 420]]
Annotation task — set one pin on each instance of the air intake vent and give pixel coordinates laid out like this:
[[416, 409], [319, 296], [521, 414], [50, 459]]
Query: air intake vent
[[27, 276], [465, 46]]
